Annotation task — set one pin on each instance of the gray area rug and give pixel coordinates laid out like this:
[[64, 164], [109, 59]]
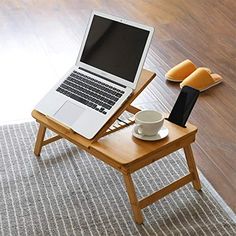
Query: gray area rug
[[68, 192]]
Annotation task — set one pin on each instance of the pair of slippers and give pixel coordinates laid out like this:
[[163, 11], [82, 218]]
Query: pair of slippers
[[189, 75]]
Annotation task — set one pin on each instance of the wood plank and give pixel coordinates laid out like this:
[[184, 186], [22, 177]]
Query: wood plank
[[166, 190], [115, 146], [51, 140], [39, 140], [133, 198], [192, 167]]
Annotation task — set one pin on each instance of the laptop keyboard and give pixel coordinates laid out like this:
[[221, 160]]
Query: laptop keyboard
[[90, 92]]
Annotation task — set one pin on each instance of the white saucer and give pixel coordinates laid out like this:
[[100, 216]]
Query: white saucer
[[162, 133]]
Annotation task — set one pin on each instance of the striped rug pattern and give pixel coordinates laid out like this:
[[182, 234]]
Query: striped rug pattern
[[68, 192]]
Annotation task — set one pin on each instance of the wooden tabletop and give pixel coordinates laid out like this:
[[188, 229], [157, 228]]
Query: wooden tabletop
[[122, 150]]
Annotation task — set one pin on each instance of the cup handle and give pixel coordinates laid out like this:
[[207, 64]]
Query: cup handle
[[139, 129]]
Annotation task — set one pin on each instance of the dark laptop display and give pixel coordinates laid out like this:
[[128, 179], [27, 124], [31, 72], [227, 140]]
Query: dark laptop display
[[114, 47]]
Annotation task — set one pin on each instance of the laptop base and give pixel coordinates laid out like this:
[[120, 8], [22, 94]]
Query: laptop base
[[65, 132]]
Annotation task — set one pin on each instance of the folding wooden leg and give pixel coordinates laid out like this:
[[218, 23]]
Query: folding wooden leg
[[192, 167], [138, 217], [39, 140]]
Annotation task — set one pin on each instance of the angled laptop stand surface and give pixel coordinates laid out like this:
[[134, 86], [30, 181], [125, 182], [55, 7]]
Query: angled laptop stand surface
[[82, 142], [139, 154]]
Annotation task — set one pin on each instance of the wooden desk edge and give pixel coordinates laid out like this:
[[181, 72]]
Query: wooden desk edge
[[90, 145], [132, 166]]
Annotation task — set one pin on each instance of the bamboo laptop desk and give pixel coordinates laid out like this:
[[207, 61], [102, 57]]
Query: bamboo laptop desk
[[112, 149]]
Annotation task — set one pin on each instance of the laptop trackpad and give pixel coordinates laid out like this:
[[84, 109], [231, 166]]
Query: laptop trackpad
[[69, 113]]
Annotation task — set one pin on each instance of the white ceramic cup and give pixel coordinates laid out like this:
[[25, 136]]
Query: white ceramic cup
[[148, 122]]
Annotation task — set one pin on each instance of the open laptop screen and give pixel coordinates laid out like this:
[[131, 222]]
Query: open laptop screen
[[114, 47]]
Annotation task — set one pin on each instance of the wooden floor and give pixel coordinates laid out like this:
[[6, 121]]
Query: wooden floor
[[39, 41]]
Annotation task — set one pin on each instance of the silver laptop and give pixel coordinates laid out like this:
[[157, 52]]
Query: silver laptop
[[105, 74]]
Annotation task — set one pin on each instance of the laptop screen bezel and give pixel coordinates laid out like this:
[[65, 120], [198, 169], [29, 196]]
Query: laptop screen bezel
[[102, 73]]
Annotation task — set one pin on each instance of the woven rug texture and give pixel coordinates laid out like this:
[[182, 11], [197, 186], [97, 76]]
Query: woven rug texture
[[66, 191]]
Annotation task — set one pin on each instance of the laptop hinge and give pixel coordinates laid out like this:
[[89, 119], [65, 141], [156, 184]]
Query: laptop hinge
[[102, 77]]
